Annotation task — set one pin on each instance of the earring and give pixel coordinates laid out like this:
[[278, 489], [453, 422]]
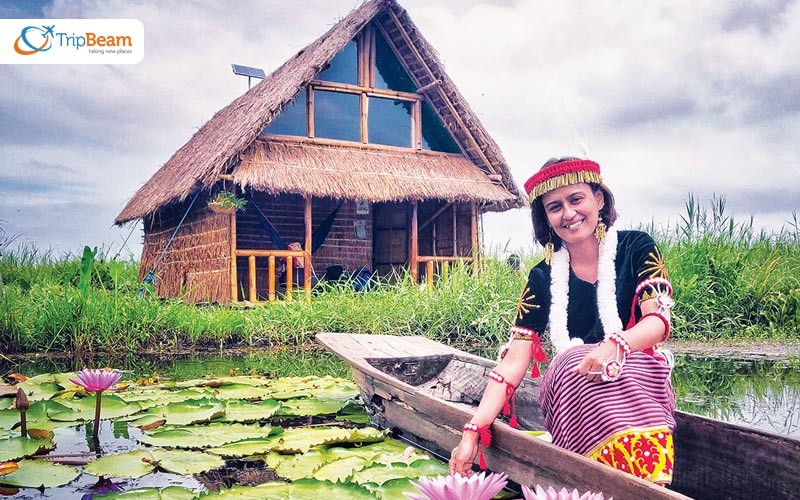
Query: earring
[[600, 230], [549, 249]]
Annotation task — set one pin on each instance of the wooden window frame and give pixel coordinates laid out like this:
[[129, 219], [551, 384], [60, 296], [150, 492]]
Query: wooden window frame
[[365, 90]]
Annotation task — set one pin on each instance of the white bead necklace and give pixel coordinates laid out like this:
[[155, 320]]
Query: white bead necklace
[[606, 293]]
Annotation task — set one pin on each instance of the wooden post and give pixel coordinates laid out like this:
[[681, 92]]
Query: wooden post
[[414, 243], [445, 270], [429, 274], [364, 112], [289, 277], [475, 243], [307, 258], [310, 111], [455, 229], [233, 271], [251, 267], [271, 279]]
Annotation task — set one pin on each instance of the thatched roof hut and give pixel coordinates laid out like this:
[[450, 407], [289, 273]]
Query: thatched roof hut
[[240, 147]]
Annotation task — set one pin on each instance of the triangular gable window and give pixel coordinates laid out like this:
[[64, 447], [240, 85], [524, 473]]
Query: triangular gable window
[[366, 96]]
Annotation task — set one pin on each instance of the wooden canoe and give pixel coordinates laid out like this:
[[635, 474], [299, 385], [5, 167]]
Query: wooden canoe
[[425, 391]]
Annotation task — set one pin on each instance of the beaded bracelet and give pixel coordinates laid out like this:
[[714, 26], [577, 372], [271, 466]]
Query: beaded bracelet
[[510, 404], [485, 438], [620, 341], [663, 318]]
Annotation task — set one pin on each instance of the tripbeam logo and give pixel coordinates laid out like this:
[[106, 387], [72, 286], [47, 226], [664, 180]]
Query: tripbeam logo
[[23, 45], [71, 41]]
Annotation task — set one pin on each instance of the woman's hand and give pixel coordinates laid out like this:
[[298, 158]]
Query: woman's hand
[[592, 363], [464, 454]]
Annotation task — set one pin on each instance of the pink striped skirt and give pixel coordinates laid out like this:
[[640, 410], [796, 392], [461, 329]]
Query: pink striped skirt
[[626, 424]]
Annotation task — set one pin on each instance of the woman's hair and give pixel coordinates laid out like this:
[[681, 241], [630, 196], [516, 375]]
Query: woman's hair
[[541, 229]]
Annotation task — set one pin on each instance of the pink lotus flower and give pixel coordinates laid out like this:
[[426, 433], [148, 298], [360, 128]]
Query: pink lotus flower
[[552, 494], [97, 380], [458, 487]]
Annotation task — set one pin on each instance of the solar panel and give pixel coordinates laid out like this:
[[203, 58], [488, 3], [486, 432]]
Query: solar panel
[[248, 71]]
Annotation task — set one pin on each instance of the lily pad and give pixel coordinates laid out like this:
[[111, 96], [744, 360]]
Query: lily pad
[[245, 411], [137, 463], [18, 447], [380, 473], [189, 412], [168, 493], [40, 474], [240, 391], [83, 409], [339, 470], [133, 464], [311, 406], [206, 436]]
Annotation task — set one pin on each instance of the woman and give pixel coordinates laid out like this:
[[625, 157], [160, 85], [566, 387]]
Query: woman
[[605, 297]]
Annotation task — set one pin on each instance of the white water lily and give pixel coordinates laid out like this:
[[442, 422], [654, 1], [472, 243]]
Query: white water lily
[[551, 494], [458, 487]]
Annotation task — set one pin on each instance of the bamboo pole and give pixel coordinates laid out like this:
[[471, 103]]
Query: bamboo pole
[[416, 125], [289, 277], [251, 278], [434, 258], [455, 229], [271, 279], [318, 141], [364, 112], [267, 253], [307, 256], [475, 243], [414, 250], [234, 278], [310, 111], [429, 274], [445, 270], [358, 89]]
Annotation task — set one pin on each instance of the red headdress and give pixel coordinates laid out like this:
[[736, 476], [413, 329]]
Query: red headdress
[[562, 174]]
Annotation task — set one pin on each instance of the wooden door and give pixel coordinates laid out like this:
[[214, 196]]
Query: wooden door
[[390, 237]]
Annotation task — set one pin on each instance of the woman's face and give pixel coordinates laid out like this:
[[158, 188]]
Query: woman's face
[[573, 211]]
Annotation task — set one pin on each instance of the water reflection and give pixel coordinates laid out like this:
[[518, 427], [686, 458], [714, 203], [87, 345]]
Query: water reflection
[[761, 394]]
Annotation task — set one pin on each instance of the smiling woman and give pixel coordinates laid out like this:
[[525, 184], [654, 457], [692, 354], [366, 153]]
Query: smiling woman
[[604, 297]]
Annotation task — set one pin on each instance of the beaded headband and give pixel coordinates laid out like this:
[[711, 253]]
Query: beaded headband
[[562, 174]]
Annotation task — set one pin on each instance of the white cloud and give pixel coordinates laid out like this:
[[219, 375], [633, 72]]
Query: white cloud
[[670, 98]]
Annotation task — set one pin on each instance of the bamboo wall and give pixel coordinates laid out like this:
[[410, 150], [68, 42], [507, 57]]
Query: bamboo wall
[[196, 265]]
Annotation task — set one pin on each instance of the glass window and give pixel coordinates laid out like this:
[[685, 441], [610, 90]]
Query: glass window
[[389, 122], [292, 120], [389, 73], [434, 136], [343, 67], [337, 115]]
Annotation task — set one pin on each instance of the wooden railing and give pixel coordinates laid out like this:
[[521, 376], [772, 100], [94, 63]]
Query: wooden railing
[[444, 264], [271, 255]]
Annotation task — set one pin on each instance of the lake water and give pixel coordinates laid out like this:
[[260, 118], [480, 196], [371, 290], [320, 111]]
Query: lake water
[[761, 394]]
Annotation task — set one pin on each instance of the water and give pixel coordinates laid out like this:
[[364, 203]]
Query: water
[[761, 394]]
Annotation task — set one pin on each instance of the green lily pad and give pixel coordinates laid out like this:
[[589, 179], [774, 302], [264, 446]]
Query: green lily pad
[[380, 473], [83, 409], [273, 490], [18, 447], [150, 396], [245, 448], [42, 387], [36, 413], [129, 464], [212, 435], [245, 411], [305, 489], [189, 412], [168, 493], [306, 407], [339, 470], [186, 462], [394, 489], [240, 391], [137, 463], [40, 474]]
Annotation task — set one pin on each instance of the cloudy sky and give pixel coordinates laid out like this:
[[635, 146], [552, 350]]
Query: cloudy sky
[[670, 98]]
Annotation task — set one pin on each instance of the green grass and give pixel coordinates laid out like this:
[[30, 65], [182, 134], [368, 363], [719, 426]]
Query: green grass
[[730, 284]]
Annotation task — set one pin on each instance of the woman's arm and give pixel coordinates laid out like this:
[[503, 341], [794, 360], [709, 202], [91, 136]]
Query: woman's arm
[[512, 367], [646, 333]]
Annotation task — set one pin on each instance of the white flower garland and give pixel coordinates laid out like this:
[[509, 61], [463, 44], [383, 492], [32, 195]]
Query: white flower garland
[[606, 293]]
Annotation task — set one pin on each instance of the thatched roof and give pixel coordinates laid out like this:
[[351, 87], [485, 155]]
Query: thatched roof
[[215, 149], [280, 165]]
